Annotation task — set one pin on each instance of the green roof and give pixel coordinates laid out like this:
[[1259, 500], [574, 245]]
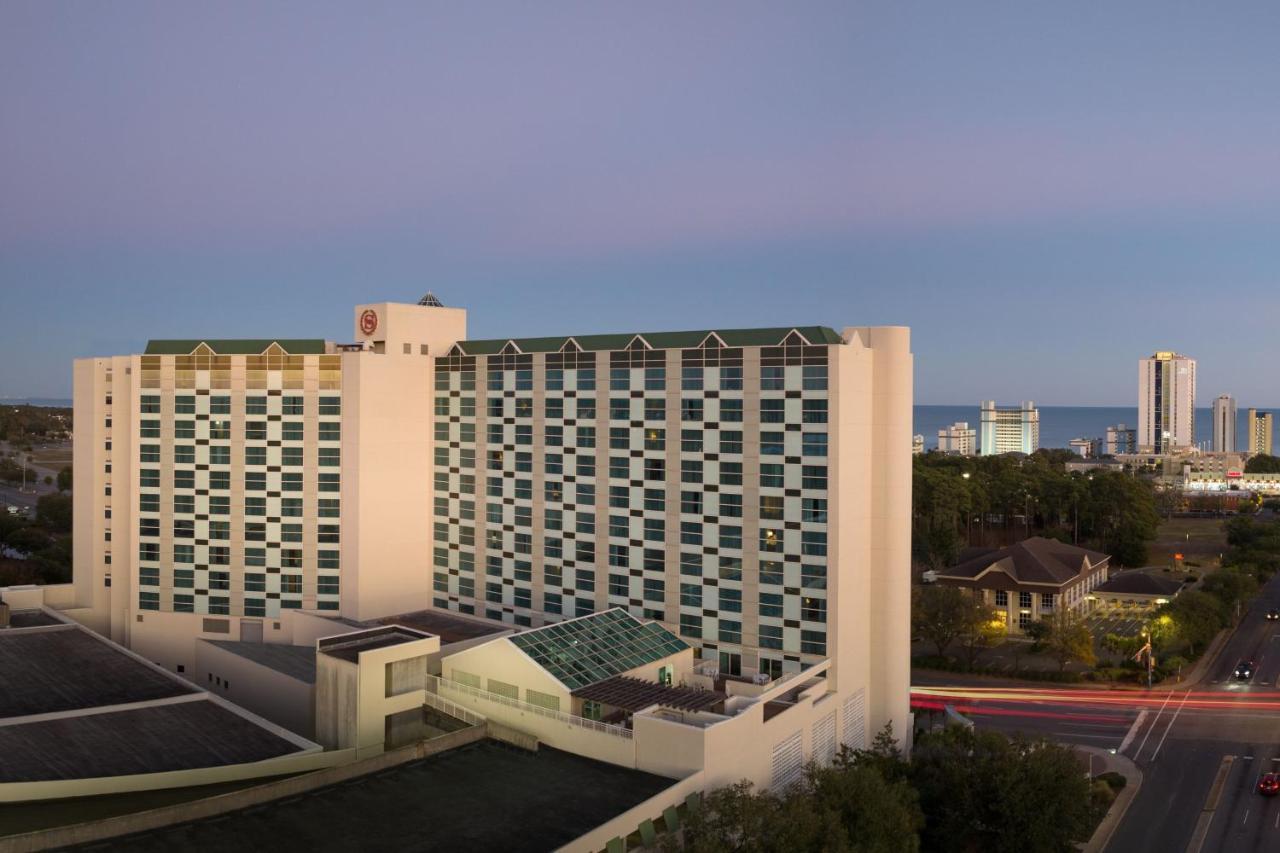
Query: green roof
[[657, 340], [592, 648], [240, 346]]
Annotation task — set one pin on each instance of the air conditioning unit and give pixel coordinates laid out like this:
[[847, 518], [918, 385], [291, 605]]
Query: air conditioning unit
[[761, 678]]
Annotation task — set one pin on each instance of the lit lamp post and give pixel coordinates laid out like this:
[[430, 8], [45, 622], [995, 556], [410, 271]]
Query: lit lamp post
[[968, 515]]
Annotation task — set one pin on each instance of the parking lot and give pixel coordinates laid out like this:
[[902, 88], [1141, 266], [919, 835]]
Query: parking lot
[[1122, 621]]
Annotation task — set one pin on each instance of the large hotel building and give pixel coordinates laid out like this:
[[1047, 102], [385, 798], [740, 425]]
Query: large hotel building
[[747, 489]]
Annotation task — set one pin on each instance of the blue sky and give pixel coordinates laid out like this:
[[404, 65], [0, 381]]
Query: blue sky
[[1043, 192]]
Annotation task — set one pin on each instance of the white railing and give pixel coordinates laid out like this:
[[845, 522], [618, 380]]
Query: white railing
[[435, 684], [453, 709]]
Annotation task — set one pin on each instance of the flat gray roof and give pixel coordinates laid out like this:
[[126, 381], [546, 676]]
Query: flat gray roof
[[449, 627], [349, 646], [294, 661], [483, 796], [176, 736], [67, 669], [30, 619]]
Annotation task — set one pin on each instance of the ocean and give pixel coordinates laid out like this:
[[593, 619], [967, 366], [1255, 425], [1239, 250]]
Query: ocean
[[1060, 424]]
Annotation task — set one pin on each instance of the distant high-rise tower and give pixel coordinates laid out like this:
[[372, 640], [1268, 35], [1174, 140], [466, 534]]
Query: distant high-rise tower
[[1009, 429], [1166, 402], [1121, 439], [1224, 424], [1259, 431], [957, 439]]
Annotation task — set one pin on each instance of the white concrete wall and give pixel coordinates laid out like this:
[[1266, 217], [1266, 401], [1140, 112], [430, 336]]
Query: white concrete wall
[[500, 659]]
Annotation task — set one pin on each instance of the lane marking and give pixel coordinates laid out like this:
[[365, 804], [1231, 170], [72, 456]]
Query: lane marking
[[1169, 728], [1246, 817], [1133, 730], [1153, 725]]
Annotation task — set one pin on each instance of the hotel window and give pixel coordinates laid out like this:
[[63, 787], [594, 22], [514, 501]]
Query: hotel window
[[148, 576], [219, 480], [654, 589], [1024, 599], [184, 578], [731, 600], [772, 476], [184, 405], [327, 585], [690, 471], [149, 453], [730, 631], [655, 410], [1046, 601], [148, 503], [586, 410], [655, 379], [554, 379], [690, 410], [772, 378], [219, 455], [1002, 598], [771, 605], [148, 527], [815, 444], [149, 478], [815, 377], [619, 409], [731, 473], [333, 483], [184, 503], [655, 439], [330, 405], [772, 444], [691, 594], [291, 431], [219, 580], [149, 551], [220, 605], [813, 510], [149, 600], [731, 378], [255, 607], [291, 406], [730, 569], [690, 625], [730, 441], [691, 503], [730, 506], [184, 429], [184, 553], [691, 441], [332, 430], [770, 637], [730, 537], [184, 454], [771, 539], [815, 411], [731, 411], [149, 429], [220, 430], [255, 405], [586, 436], [184, 479], [330, 457], [814, 477], [813, 609], [813, 543], [691, 378], [690, 533], [150, 405], [813, 577], [1024, 619], [813, 642], [773, 411], [255, 431], [655, 469], [620, 379]]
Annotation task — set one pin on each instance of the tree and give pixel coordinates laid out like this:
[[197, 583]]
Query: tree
[[1262, 463], [983, 791], [54, 512], [1232, 585], [28, 540], [64, 479], [1070, 639], [1195, 618], [985, 628], [940, 614]]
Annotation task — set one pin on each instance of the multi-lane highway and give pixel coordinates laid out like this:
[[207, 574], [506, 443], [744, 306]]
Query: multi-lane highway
[[1201, 747]]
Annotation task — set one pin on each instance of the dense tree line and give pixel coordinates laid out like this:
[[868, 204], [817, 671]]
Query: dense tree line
[[37, 550], [34, 423], [1111, 511], [1262, 463], [961, 790]]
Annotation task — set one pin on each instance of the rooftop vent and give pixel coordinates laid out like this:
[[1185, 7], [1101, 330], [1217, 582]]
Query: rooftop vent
[[430, 301]]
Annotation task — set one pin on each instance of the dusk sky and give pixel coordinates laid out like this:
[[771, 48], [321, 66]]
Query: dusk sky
[[1043, 194]]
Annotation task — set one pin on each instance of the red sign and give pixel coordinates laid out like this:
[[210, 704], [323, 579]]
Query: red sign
[[1234, 474], [368, 321]]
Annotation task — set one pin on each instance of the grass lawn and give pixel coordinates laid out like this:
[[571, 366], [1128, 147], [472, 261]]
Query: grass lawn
[[1199, 540]]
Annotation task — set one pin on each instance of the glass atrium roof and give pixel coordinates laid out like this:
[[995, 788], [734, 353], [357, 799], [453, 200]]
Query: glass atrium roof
[[592, 648]]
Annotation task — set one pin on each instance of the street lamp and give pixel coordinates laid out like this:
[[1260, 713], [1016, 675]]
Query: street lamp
[[968, 516]]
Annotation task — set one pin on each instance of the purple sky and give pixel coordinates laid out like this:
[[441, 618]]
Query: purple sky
[[1044, 195]]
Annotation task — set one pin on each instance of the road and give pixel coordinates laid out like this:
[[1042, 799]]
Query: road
[[1201, 747]]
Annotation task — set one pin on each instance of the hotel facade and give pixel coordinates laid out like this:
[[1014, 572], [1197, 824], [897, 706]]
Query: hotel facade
[[747, 489]]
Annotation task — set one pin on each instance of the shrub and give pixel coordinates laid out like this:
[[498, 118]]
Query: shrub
[[1115, 781]]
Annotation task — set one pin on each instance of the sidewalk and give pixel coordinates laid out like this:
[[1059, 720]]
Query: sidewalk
[[1103, 761]]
